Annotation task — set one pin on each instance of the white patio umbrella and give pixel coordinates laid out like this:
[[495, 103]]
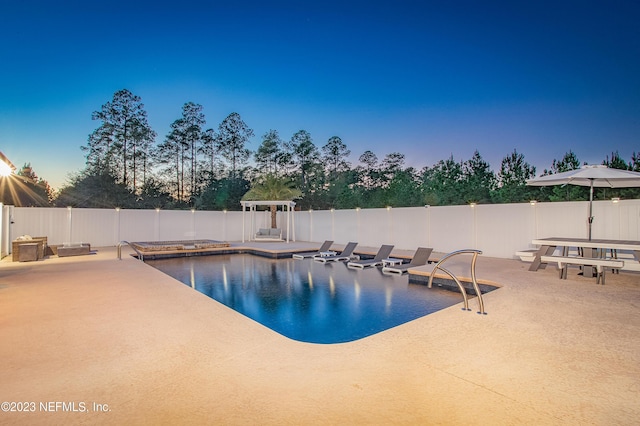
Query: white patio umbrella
[[598, 176]]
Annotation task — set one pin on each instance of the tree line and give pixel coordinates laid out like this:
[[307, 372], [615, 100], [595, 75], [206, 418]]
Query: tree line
[[193, 166]]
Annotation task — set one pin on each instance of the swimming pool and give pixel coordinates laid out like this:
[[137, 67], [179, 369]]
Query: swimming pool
[[306, 300]]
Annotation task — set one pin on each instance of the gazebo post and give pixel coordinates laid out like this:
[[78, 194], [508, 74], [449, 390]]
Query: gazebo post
[[288, 216], [243, 208], [293, 223], [253, 219]]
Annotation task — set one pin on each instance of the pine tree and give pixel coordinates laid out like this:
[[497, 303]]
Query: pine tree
[[124, 132]]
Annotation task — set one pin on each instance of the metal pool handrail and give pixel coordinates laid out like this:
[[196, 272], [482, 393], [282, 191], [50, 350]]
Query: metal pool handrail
[[475, 254], [121, 243]]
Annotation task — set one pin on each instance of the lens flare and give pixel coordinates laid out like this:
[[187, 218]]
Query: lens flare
[[5, 169]]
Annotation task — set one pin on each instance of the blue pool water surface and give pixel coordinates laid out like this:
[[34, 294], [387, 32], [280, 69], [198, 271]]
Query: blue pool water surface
[[306, 300]]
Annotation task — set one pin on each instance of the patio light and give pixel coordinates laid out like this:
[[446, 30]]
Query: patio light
[[533, 202], [615, 199], [472, 205]]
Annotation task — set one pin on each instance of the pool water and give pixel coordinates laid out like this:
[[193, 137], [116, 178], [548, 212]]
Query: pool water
[[306, 300]]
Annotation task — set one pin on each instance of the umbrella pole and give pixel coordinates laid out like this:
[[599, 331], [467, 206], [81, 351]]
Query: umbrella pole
[[590, 207]]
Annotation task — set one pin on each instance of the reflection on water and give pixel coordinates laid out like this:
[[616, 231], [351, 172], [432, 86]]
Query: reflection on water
[[306, 300]]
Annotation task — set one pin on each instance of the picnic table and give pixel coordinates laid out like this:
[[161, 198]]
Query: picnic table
[[589, 251]]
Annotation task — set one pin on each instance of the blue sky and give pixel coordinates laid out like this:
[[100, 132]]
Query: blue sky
[[426, 79]]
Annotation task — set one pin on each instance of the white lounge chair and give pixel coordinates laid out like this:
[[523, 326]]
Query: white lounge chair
[[420, 258], [383, 253], [346, 254], [322, 251]]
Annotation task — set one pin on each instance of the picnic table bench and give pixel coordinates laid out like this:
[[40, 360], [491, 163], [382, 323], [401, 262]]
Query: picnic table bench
[[599, 264]]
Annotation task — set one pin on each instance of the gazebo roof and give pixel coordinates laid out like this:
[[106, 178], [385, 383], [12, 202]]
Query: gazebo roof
[[268, 203]]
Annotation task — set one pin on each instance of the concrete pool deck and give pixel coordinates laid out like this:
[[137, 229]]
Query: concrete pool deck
[[121, 343]]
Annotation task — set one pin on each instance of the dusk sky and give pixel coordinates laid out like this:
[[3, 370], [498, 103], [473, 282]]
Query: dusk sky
[[427, 79]]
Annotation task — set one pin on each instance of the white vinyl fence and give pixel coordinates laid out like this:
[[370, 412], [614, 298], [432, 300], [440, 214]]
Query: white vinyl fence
[[499, 230]]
